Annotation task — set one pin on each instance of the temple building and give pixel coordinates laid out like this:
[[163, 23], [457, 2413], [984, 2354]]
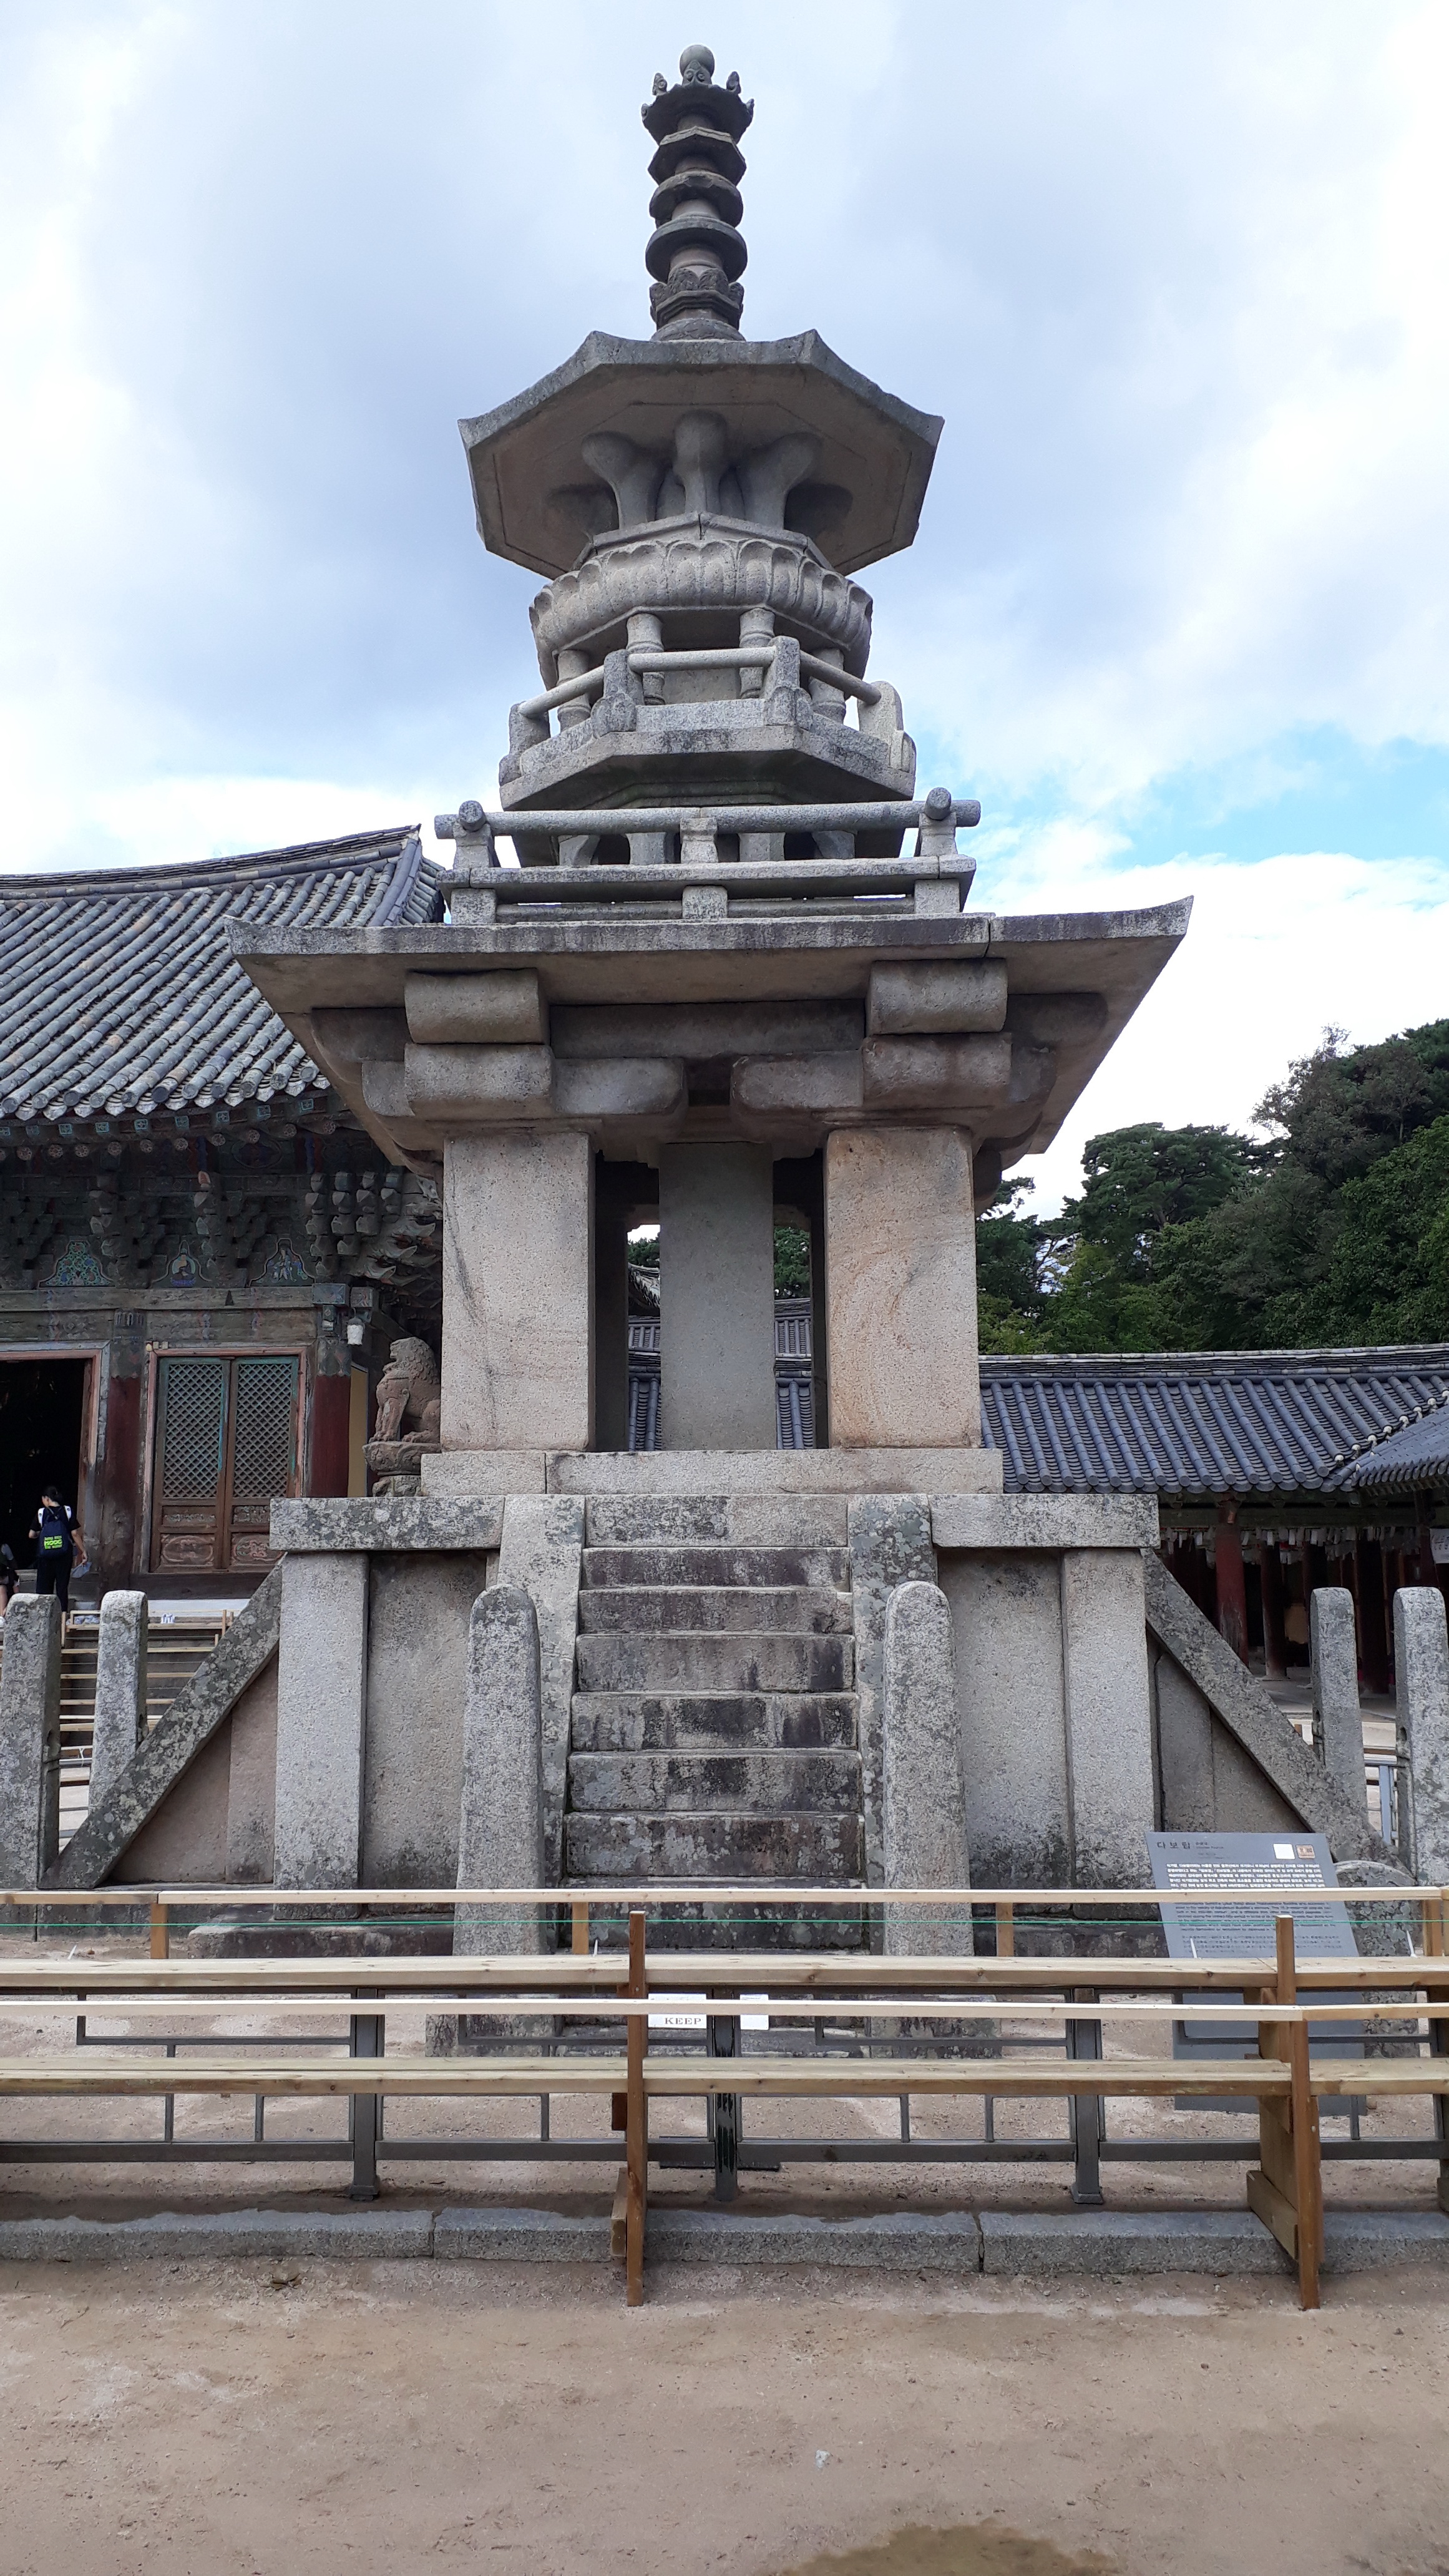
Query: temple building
[[202, 1255]]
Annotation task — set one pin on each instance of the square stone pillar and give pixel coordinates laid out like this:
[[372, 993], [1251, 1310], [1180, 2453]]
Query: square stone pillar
[[717, 1296], [900, 1287], [518, 1265], [321, 1720]]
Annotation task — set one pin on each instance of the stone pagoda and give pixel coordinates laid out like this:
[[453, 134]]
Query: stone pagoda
[[735, 978]]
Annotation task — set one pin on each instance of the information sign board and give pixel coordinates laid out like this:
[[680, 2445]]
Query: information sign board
[[1289, 1867]]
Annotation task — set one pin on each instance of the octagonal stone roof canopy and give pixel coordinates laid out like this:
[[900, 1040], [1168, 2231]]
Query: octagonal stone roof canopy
[[539, 505]]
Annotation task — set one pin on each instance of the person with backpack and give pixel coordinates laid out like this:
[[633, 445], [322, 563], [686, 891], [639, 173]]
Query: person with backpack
[[57, 1544]]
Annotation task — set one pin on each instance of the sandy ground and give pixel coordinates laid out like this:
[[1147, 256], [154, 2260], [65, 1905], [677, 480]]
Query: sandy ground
[[249, 2420]]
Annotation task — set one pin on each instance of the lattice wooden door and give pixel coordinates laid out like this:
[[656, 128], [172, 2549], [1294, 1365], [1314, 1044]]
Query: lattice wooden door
[[226, 1444]]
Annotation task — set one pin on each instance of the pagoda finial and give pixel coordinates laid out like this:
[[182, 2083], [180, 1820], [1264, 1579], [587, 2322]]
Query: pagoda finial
[[696, 254]]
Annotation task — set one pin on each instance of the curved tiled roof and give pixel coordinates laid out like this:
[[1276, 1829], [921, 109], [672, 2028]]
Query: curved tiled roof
[[1214, 1422], [1408, 1460], [119, 993]]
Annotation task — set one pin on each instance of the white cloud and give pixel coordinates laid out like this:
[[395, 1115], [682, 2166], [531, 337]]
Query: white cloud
[[1174, 277], [1275, 953]]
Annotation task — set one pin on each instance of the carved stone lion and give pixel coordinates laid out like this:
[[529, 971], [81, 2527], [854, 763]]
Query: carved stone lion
[[406, 1426]]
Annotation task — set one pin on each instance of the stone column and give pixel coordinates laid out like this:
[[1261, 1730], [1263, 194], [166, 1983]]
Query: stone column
[[900, 1251], [120, 1688], [30, 1740], [500, 1825], [1337, 1717], [611, 1316], [518, 1292], [1107, 1705], [1421, 1660], [923, 1796], [717, 1297], [321, 1720]]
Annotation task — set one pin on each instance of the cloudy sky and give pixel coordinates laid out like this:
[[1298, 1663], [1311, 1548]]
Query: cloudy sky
[[1174, 274]]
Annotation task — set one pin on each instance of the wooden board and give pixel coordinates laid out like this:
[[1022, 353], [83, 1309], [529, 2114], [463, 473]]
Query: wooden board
[[95, 2072], [1002, 2076]]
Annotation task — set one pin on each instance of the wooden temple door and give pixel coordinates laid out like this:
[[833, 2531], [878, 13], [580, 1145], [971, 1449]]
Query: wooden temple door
[[226, 1445]]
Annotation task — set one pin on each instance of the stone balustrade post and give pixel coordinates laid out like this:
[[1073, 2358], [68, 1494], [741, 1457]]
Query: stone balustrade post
[[30, 1740], [1337, 1718], [1421, 1669], [501, 1821], [923, 1792], [120, 1720]]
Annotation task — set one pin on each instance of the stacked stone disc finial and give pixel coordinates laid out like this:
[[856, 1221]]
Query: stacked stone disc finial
[[696, 253]]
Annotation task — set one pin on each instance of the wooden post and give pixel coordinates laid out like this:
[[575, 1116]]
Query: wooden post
[[1006, 1931], [1231, 1589], [1270, 1578], [1373, 1639], [160, 1929], [580, 1914], [1307, 2168], [1285, 2189], [636, 2135]]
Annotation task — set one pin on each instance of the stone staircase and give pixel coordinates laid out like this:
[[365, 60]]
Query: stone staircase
[[714, 1727]]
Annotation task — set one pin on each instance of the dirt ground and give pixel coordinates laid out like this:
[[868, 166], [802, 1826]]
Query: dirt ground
[[254, 2420]]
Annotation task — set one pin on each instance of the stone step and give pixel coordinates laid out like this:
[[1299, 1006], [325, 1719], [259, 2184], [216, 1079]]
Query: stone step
[[609, 1566], [739, 1784], [746, 1520], [658, 1609], [626, 1851], [630, 1722], [690, 1661]]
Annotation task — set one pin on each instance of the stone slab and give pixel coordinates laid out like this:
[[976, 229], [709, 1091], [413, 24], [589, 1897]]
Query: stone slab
[[359, 2235], [1044, 1520], [482, 1474], [1098, 2243], [772, 1471], [519, 2236], [898, 2241], [335, 1525], [1361, 2240]]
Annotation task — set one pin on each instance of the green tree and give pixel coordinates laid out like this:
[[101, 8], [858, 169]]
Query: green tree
[[1142, 1179]]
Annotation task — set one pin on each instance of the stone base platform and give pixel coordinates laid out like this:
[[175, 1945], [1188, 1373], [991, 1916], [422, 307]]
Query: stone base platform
[[1085, 2244], [668, 1472]]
